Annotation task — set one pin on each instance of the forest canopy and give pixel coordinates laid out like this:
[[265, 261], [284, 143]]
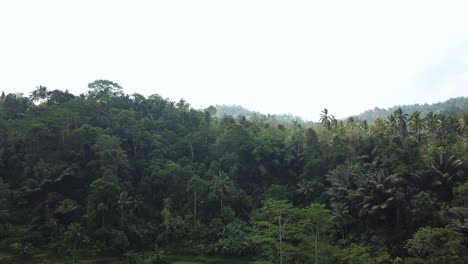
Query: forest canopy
[[142, 177]]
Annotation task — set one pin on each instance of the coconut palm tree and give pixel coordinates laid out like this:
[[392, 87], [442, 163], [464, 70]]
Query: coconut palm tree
[[39, 94], [305, 188], [463, 124], [123, 203], [431, 123], [445, 169], [376, 193], [73, 234], [392, 123], [401, 119], [325, 119], [442, 125], [221, 185], [342, 180], [419, 180], [342, 215], [416, 124]]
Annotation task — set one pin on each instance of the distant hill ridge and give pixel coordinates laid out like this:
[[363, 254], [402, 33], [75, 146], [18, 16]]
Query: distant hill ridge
[[453, 106], [237, 110]]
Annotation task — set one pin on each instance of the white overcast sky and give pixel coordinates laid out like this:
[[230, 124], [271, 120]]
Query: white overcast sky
[[293, 57]]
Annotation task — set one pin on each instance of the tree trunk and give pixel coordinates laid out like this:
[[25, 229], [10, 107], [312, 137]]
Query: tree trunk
[[342, 230], [135, 146], [191, 149], [74, 251], [316, 241], [222, 195], [195, 208], [280, 240], [122, 220]]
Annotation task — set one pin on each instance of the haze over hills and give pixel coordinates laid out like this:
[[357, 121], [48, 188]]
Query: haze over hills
[[453, 106], [237, 110]]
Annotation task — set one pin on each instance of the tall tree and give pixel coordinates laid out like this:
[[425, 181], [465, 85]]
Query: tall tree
[[325, 119], [196, 185], [305, 188], [40, 93], [318, 221], [221, 184], [416, 124], [463, 125], [276, 228], [73, 234]]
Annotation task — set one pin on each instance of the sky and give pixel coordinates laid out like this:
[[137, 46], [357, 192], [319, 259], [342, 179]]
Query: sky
[[294, 57]]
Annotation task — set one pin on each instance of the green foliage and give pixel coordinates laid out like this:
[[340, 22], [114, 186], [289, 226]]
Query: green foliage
[[355, 254], [234, 240], [107, 174], [437, 245], [21, 248], [158, 256], [423, 211], [452, 106], [286, 234]]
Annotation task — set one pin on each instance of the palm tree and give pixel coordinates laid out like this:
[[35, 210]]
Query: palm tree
[[325, 119], [420, 180], [446, 168], [221, 185], [74, 233], [342, 182], [401, 119], [463, 124], [102, 209], [342, 214], [431, 122], [123, 203], [376, 193], [39, 94], [416, 124], [442, 126], [305, 188], [392, 123]]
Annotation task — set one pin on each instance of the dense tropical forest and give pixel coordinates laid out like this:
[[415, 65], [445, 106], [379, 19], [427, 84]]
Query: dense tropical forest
[[453, 106], [144, 179]]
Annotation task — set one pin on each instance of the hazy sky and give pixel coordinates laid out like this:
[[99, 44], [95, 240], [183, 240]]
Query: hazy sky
[[293, 57]]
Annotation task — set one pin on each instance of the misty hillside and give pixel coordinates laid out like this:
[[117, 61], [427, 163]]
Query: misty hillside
[[237, 110], [453, 106]]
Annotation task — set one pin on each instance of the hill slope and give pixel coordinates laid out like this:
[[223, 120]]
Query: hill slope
[[453, 106], [237, 110]]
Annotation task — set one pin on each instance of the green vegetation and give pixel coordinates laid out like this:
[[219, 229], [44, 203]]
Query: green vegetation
[[453, 106], [237, 111], [118, 178]]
